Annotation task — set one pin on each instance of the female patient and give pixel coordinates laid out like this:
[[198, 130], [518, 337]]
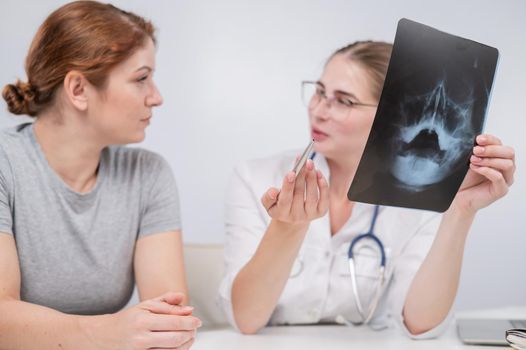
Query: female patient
[[80, 219], [286, 255]]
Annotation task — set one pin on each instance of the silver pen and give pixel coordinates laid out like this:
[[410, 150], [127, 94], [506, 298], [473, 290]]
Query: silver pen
[[303, 159]]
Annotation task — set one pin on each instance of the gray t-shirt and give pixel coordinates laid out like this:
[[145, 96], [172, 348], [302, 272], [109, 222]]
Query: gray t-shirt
[[76, 250]]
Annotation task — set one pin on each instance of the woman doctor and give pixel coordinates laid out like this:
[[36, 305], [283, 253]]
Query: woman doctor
[[286, 255]]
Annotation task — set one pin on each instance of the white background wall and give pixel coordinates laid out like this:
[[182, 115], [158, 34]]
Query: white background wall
[[230, 71]]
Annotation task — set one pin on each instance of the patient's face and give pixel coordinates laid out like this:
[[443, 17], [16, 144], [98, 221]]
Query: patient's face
[[121, 112], [342, 134]]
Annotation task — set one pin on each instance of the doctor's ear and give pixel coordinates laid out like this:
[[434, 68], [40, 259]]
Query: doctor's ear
[[76, 90]]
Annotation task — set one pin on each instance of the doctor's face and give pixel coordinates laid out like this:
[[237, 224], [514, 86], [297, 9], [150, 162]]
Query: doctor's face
[[339, 124]]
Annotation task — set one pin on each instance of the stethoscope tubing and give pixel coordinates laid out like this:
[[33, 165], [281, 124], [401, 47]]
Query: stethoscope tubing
[[366, 317]]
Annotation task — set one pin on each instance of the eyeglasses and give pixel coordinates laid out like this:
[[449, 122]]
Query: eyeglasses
[[313, 93]]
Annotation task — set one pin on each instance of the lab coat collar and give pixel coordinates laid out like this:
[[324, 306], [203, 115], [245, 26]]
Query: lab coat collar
[[320, 162], [323, 224]]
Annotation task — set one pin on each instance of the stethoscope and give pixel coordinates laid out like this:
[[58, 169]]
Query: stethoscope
[[371, 238], [368, 239]]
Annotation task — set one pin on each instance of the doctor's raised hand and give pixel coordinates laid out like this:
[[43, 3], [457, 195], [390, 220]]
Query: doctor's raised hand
[[302, 198], [490, 174]]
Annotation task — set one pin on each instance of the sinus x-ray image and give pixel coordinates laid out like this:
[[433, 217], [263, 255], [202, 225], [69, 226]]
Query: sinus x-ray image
[[433, 105]]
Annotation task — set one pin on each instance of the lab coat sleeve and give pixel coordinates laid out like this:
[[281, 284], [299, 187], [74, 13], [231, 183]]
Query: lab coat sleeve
[[405, 269], [245, 224]]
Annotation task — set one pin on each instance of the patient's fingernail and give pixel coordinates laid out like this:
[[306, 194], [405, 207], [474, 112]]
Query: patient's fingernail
[[482, 138], [290, 176], [475, 159]]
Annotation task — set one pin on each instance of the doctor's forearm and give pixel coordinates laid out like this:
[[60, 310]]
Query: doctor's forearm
[[435, 285], [258, 286]]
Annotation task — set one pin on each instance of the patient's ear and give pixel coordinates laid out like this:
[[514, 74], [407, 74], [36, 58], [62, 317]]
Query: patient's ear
[[75, 90]]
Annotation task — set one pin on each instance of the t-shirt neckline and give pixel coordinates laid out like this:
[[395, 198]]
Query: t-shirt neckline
[[57, 179]]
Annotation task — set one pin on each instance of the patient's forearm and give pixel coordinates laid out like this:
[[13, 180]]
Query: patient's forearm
[[435, 285], [28, 326]]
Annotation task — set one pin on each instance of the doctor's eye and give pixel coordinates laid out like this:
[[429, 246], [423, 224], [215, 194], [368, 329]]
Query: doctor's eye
[[344, 101], [320, 92]]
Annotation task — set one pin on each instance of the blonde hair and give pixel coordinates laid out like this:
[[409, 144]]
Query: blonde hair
[[373, 56]]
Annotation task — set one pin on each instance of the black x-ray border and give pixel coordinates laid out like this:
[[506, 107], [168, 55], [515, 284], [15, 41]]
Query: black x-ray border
[[422, 59]]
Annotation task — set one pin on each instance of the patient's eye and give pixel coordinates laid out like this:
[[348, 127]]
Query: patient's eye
[[143, 78]]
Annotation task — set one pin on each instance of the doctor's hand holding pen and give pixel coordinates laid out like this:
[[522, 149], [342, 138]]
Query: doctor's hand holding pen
[[302, 198]]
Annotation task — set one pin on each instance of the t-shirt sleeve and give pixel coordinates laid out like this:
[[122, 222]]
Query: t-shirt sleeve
[[6, 219], [161, 212]]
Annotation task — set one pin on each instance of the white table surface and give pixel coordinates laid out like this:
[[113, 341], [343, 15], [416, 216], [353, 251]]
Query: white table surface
[[341, 337]]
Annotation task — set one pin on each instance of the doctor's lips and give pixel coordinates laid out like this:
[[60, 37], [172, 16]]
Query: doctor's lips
[[318, 135]]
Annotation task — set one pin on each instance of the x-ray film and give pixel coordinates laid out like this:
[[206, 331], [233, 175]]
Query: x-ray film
[[433, 105]]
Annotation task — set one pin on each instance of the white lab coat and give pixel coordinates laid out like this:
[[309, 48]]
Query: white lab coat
[[319, 288]]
